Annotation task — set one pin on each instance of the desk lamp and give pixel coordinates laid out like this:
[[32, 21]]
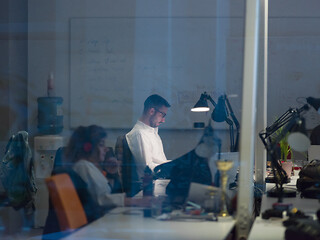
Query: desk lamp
[[292, 123], [220, 114], [202, 104], [315, 103]]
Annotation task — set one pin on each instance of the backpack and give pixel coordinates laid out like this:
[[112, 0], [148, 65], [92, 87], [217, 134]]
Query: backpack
[[16, 172], [308, 182]]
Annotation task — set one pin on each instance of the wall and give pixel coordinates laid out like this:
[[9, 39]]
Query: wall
[[290, 22], [13, 93], [13, 70], [116, 62], [49, 51]]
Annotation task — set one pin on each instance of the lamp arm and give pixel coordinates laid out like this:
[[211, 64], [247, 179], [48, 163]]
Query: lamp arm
[[235, 120], [281, 121], [285, 119], [279, 174], [236, 145], [232, 146], [272, 142], [219, 148], [236, 123], [290, 121], [210, 99]]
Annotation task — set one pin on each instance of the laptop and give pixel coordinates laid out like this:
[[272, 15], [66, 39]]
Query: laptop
[[199, 193]]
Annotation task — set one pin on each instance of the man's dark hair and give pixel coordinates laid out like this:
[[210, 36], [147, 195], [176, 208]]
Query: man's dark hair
[[155, 101]]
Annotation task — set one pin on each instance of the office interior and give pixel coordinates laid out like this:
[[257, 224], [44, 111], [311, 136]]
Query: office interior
[[177, 49]]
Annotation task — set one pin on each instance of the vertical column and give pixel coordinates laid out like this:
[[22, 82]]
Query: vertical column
[[260, 154], [248, 119]]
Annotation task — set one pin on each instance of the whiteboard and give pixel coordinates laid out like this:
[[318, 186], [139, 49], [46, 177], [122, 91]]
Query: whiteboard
[[116, 63]]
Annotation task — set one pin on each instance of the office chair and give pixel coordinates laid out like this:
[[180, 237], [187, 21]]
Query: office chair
[[66, 202], [130, 179], [61, 162]]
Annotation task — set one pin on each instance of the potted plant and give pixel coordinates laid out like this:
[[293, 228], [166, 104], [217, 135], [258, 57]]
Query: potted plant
[[285, 152]]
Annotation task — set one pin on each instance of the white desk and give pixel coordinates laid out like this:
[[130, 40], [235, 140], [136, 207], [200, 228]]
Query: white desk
[[307, 205], [273, 228], [119, 225]]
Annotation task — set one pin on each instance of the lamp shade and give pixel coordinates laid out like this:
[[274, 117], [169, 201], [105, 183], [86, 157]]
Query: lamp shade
[[297, 138], [298, 141], [201, 105], [220, 113], [314, 102]]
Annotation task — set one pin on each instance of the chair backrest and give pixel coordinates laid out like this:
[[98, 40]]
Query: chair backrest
[[130, 179], [61, 162], [66, 202]]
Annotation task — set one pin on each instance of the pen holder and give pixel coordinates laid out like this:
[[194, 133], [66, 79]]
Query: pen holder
[[211, 202]]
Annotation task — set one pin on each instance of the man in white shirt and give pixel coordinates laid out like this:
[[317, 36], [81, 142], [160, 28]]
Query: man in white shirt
[[143, 140]]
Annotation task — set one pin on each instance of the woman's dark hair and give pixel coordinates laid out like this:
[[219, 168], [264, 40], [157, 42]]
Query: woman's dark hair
[[83, 141]]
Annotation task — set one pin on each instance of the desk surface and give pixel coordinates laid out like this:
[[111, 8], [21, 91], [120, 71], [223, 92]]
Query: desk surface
[[307, 205], [273, 228], [129, 223]]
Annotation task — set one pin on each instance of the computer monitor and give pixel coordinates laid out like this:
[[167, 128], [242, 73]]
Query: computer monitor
[[313, 152]]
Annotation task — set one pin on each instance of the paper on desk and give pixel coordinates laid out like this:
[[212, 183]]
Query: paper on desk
[[160, 186], [199, 192]]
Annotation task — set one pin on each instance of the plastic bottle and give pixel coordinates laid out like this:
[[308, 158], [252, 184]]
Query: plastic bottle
[[50, 85]]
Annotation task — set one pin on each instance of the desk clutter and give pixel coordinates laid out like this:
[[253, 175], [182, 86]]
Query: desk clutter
[[298, 224], [203, 203], [190, 212], [309, 180], [291, 218], [301, 226]]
